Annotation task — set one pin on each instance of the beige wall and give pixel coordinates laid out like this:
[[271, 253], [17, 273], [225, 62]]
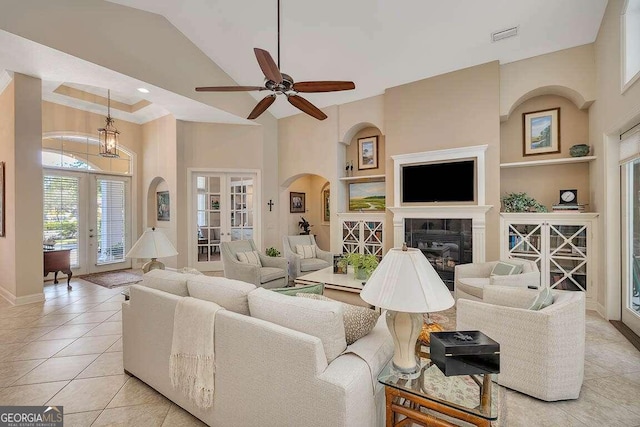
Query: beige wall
[[7, 154], [574, 129], [358, 115], [457, 109], [612, 112], [569, 72]]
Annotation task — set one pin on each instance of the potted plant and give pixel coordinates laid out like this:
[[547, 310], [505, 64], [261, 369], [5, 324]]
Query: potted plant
[[521, 202], [272, 252], [363, 264], [304, 225]]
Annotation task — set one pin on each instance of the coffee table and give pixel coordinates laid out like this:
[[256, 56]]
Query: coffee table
[[341, 287]]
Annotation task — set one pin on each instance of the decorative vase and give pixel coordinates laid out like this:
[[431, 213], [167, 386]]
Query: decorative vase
[[360, 273], [579, 150]]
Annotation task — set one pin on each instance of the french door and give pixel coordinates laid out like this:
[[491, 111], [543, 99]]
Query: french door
[[89, 214], [630, 251], [223, 209]]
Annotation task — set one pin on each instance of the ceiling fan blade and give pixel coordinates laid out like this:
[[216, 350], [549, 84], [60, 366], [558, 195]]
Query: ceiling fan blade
[[229, 88], [323, 86], [267, 65], [261, 107], [302, 104]]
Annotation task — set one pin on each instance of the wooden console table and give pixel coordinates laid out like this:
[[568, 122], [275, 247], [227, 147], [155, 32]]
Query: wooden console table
[[58, 260]]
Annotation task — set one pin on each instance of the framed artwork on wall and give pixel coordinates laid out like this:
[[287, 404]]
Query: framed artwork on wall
[[368, 153], [367, 196], [541, 132], [326, 212], [163, 205], [2, 199], [297, 202]]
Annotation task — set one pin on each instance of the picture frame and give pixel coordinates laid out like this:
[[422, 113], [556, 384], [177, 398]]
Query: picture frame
[[368, 153], [367, 196], [163, 206], [326, 211], [297, 202], [2, 200], [541, 132], [214, 202]]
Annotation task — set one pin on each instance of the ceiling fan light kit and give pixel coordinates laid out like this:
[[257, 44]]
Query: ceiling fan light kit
[[282, 84]]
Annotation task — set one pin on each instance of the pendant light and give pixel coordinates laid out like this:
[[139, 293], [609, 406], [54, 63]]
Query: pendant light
[[108, 136]]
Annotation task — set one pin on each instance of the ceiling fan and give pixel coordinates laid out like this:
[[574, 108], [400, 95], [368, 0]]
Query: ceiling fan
[[282, 84]]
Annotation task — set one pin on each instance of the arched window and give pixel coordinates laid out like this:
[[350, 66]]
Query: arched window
[[630, 27], [79, 152]]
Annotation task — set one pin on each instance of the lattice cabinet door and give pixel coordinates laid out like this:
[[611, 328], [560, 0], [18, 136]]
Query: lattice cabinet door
[[568, 256], [350, 237], [372, 238], [362, 233]]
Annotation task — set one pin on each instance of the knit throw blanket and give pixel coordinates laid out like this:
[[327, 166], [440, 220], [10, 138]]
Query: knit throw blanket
[[192, 362]]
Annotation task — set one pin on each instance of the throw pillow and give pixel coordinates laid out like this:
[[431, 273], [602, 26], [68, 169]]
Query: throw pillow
[[358, 321], [228, 293], [544, 299], [306, 251], [293, 290], [251, 257], [503, 268]]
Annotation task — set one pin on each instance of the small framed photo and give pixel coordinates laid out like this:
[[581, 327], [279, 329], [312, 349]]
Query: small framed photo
[[297, 202], [326, 212], [164, 206], [541, 132], [368, 153], [214, 202]]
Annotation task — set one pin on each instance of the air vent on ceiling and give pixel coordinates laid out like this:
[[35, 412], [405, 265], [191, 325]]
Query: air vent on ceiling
[[504, 34]]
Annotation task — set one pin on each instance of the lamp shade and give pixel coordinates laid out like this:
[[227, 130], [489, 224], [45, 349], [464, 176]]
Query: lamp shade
[[152, 244], [405, 281]]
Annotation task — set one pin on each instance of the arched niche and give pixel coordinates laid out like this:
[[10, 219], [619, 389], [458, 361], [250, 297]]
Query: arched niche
[[566, 92], [157, 185], [347, 138]]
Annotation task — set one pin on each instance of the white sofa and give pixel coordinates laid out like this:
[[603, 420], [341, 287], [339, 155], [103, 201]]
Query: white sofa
[[266, 374], [471, 279]]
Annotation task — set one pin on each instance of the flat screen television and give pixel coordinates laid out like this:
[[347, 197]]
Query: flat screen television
[[439, 182]]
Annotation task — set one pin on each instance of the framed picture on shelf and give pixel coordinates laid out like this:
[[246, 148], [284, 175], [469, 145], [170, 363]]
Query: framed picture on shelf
[[326, 212], [214, 202], [297, 202], [163, 206], [367, 196], [541, 132], [368, 153]]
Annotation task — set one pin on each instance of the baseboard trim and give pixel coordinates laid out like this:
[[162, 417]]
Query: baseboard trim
[[27, 299], [7, 295], [627, 332], [601, 311]]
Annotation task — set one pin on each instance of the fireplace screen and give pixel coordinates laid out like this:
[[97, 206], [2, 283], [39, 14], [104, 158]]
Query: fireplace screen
[[444, 242]]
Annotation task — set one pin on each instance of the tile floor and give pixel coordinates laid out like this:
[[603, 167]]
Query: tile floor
[[68, 351]]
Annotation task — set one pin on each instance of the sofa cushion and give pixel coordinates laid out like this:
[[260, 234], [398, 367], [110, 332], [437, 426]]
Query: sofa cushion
[[321, 319], [312, 264], [504, 268], [306, 251], [228, 293], [172, 282], [317, 288], [543, 299], [249, 257], [268, 274], [473, 285], [358, 321]]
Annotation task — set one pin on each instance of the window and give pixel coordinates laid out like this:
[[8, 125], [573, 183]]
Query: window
[[70, 151], [630, 27]]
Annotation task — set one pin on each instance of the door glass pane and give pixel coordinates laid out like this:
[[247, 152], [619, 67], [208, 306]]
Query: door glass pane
[[61, 214], [568, 257], [110, 204], [634, 226], [241, 207], [525, 241], [208, 206]]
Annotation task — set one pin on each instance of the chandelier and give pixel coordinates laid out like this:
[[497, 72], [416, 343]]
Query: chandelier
[[108, 135]]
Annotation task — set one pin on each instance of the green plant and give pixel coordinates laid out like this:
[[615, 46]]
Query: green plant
[[363, 264], [272, 252], [521, 202]]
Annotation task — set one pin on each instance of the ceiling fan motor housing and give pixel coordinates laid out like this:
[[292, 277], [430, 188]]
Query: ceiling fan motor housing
[[285, 86]]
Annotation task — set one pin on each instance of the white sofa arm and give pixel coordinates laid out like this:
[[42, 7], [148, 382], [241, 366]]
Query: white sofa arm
[[482, 269], [522, 280], [509, 296]]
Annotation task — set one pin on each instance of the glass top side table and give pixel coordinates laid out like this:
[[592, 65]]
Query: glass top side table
[[470, 398]]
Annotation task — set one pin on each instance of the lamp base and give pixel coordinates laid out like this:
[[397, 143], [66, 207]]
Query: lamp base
[[154, 264], [405, 328]]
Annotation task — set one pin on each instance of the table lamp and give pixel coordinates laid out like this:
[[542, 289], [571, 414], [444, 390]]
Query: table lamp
[[406, 285], [152, 244]]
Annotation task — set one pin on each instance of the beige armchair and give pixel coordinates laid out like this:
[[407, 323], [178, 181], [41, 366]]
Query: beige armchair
[[472, 279], [272, 274], [541, 352], [298, 266]]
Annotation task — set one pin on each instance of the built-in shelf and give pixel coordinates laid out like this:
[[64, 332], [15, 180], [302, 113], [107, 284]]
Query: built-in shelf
[[564, 160], [355, 178]]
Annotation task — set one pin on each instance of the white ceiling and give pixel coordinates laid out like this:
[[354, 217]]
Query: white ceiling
[[377, 44]]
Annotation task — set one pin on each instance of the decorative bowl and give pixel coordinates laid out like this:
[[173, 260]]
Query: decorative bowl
[[579, 150]]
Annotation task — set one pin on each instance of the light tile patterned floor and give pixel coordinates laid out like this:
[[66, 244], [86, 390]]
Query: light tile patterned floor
[[68, 351]]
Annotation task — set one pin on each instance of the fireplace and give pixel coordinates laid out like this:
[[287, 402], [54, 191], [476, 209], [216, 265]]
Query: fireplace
[[444, 242]]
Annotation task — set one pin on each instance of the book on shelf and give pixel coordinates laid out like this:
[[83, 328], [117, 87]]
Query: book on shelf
[[568, 208]]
